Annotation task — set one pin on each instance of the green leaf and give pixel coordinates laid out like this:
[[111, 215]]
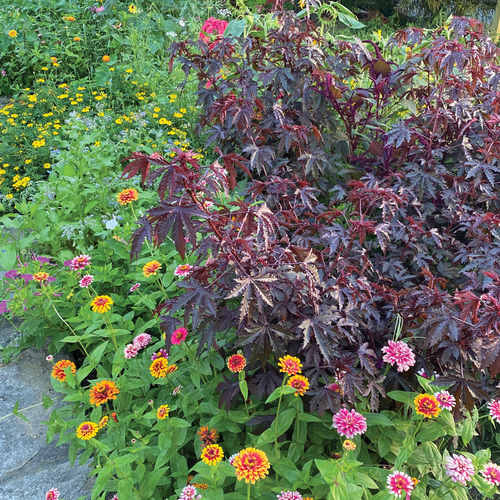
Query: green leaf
[[83, 372], [285, 420], [365, 480], [179, 422], [430, 432], [467, 431], [7, 257], [97, 353], [47, 402], [244, 389], [378, 419], [405, 451], [235, 28], [17, 413], [402, 396]]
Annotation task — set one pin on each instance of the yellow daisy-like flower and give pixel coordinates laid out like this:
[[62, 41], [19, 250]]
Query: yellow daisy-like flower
[[103, 422], [290, 365], [40, 277], [13, 33], [349, 445], [251, 465], [159, 367], [101, 304], [427, 405], [212, 454], [127, 195], [300, 383], [87, 430], [151, 268], [162, 412], [132, 9]]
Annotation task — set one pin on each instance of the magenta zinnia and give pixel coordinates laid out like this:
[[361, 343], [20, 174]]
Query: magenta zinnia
[[445, 400], [179, 336], [349, 424], [79, 262], [86, 281], [289, 495], [400, 483], [398, 353], [52, 494], [491, 473], [142, 340], [494, 407], [183, 270], [459, 468]]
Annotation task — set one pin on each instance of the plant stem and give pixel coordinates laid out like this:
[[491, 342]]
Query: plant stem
[[248, 491]]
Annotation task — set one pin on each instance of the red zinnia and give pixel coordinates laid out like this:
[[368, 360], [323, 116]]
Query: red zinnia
[[127, 196], [103, 392], [236, 363]]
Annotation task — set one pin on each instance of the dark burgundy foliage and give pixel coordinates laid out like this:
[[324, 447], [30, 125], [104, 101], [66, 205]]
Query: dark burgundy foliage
[[372, 192]]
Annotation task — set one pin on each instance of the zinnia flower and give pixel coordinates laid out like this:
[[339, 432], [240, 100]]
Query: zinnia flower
[[400, 483], [142, 340], [183, 270], [107, 59], [189, 492], [459, 468], [86, 281], [101, 304], [170, 369], [162, 353], [127, 195], [232, 457], [179, 336], [399, 353], [427, 405], [290, 365], [103, 422], [212, 454], [445, 399], [13, 33], [87, 430], [491, 473], [159, 367], [207, 436], [300, 383], [349, 445], [236, 363], [79, 262], [52, 494], [251, 465], [102, 392], [58, 369], [114, 417], [289, 495], [151, 268], [40, 277], [133, 288], [349, 424], [494, 407], [162, 412], [130, 351]]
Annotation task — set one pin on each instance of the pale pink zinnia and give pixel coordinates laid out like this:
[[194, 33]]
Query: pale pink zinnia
[[400, 483], [445, 400], [459, 468], [491, 473], [289, 495], [494, 407], [142, 340], [52, 494], [349, 424], [133, 288], [79, 262], [86, 281], [232, 457], [130, 351], [398, 353], [179, 336], [183, 270], [189, 492]]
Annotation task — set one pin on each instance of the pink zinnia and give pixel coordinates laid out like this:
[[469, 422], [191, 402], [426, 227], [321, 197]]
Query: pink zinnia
[[289, 495], [400, 483], [491, 473], [179, 336], [52, 494], [86, 281], [79, 262], [183, 270], [133, 288], [445, 400], [494, 407], [398, 353], [130, 351], [189, 493], [142, 340], [349, 424], [459, 468]]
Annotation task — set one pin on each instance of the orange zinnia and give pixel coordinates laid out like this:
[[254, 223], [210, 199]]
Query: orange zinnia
[[58, 369], [106, 58], [103, 392], [207, 436], [251, 465], [150, 268], [427, 405], [127, 195]]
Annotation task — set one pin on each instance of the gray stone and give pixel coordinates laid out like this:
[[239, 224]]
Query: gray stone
[[29, 467]]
